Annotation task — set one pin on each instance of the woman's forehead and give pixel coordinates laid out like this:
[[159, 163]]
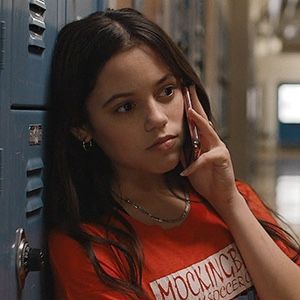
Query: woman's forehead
[[129, 69], [136, 58]]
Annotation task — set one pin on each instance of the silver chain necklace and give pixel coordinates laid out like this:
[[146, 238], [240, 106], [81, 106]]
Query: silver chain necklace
[[157, 219]]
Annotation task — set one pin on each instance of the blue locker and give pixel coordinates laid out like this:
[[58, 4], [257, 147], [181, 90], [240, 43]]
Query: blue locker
[[34, 28], [27, 132], [28, 29], [77, 9], [22, 85], [5, 236]]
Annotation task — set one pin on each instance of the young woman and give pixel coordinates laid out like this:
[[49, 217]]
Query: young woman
[[129, 217]]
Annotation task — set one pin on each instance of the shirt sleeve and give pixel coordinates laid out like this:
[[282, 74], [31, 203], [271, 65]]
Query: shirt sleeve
[[74, 275], [261, 212]]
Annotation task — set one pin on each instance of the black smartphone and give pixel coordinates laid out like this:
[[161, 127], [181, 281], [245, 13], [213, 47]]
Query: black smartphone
[[192, 127]]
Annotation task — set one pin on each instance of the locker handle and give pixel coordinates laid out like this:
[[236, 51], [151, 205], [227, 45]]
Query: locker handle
[[27, 259]]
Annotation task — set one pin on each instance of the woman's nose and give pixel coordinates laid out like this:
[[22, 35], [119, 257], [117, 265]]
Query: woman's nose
[[155, 116]]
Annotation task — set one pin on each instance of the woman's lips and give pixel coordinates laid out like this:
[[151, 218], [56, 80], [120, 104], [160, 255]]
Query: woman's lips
[[163, 143]]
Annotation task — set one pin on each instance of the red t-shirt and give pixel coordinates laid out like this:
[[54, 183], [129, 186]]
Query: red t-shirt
[[196, 260]]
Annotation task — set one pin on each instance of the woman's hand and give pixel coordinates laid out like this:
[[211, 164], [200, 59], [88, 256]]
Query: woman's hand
[[211, 174], [273, 273]]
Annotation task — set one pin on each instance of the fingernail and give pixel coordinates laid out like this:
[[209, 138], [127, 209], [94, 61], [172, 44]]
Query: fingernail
[[191, 111], [183, 173]]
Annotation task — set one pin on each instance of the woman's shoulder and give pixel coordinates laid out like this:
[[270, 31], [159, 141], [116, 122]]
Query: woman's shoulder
[[59, 240], [62, 244], [73, 271], [65, 252], [60, 237]]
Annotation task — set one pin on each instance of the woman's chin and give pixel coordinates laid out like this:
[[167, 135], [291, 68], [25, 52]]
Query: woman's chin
[[169, 165]]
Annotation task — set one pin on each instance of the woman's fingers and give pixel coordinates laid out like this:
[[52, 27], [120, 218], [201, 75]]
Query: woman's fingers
[[217, 158], [211, 144], [207, 134], [213, 149], [196, 103]]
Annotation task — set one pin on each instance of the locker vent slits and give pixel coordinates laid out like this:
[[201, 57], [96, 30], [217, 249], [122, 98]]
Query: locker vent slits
[[37, 27], [34, 187]]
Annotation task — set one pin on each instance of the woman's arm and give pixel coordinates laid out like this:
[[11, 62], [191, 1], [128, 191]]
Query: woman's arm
[[274, 274]]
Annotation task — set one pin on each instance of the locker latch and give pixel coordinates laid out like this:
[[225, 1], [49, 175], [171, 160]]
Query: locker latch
[[27, 259]]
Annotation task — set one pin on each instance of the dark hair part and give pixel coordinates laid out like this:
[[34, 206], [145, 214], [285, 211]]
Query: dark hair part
[[80, 182]]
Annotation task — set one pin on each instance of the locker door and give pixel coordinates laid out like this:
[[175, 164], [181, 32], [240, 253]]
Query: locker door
[[28, 29], [27, 34], [6, 236], [25, 185], [34, 28]]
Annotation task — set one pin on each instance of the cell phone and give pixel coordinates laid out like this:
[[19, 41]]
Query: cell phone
[[192, 127]]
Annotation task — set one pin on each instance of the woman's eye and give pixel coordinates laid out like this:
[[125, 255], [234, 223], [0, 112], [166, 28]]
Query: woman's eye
[[125, 107], [167, 91]]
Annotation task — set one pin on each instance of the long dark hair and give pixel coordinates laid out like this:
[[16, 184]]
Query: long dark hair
[[79, 181]]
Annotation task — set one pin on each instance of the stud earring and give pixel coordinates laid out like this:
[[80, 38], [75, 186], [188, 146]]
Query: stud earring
[[87, 146]]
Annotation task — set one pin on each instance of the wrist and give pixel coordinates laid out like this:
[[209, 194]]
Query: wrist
[[235, 211]]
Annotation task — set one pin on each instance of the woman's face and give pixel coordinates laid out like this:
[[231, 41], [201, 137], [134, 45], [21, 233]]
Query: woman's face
[[136, 112]]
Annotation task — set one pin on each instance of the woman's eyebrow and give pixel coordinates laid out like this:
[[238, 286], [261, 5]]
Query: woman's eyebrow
[[165, 78], [128, 94], [116, 96]]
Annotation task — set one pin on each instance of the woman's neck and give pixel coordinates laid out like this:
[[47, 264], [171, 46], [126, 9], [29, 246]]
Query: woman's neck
[[151, 192], [135, 184]]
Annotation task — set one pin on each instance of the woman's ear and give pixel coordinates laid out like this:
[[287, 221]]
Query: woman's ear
[[82, 134]]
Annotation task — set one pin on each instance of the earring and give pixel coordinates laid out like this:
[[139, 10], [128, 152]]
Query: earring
[[87, 145]]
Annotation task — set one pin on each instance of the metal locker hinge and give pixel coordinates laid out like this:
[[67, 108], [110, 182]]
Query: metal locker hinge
[[27, 259]]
